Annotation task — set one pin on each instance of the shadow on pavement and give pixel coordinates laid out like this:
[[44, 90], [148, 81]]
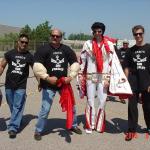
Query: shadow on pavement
[[116, 126], [58, 125], [26, 120], [114, 99], [3, 125], [119, 125]]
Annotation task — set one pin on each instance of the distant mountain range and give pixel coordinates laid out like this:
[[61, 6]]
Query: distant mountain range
[[4, 29]]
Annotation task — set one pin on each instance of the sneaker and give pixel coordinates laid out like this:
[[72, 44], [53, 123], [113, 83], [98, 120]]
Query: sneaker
[[130, 136], [148, 131], [88, 131], [76, 130], [93, 127], [37, 136], [12, 134], [147, 134]]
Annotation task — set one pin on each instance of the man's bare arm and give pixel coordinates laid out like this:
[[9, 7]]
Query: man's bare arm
[[3, 64], [126, 71]]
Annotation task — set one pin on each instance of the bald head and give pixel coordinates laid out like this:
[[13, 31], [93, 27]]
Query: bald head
[[56, 37], [56, 32]]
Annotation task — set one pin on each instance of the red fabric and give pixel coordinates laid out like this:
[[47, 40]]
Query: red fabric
[[111, 39], [98, 52], [83, 86], [67, 100], [83, 81], [88, 117]]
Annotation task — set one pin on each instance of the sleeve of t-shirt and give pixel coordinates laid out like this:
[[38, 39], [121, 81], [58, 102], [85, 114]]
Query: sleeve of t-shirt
[[7, 56], [31, 60], [39, 55], [71, 56]]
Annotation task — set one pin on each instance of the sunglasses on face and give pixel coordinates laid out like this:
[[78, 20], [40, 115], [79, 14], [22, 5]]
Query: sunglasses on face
[[55, 36], [97, 31], [136, 34], [24, 42]]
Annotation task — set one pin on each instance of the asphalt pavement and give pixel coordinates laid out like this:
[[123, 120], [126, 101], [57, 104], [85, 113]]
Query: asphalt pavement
[[56, 137]]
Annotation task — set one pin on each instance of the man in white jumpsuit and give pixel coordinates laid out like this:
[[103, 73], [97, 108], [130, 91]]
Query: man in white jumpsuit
[[95, 65]]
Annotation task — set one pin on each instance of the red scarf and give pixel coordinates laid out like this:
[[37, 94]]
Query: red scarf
[[98, 52], [83, 82], [67, 100]]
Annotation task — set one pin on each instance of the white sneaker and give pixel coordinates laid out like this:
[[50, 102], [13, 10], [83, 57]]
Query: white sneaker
[[93, 127], [88, 131]]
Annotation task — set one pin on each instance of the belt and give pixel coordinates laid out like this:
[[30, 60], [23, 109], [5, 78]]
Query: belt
[[98, 77]]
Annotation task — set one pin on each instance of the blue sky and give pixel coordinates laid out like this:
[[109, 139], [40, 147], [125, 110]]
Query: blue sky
[[75, 16]]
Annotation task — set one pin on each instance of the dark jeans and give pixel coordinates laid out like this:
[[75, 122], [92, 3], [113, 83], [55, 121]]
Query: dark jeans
[[47, 100], [133, 110]]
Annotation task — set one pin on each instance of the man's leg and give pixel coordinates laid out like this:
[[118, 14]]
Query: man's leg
[[132, 116], [146, 109], [9, 98], [90, 108], [17, 111], [75, 127], [47, 100], [100, 120]]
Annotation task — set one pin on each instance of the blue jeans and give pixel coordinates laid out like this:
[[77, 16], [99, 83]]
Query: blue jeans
[[16, 101], [47, 100]]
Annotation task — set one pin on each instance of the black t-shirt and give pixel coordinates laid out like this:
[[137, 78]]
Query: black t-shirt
[[55, 61], [138, 61], [121, 55], [18, 69]]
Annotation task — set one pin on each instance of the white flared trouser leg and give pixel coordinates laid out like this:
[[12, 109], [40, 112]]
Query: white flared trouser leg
[[90, 108], [100, 117]]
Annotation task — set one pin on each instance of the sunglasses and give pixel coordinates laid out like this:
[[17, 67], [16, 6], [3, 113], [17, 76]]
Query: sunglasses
[[136, 34], [97, 31], [57, 36], [24, 42]]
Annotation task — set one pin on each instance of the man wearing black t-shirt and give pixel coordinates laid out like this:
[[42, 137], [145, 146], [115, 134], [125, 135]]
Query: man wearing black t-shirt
[[122, 51], [51, 64], [18, 60], [137, 69], [121, 55]]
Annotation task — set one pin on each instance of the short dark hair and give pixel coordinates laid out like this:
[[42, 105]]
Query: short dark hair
[[135, 28], [98, 25], [22, 35]]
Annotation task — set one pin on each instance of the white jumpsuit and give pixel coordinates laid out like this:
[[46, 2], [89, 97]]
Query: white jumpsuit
[[95, 83]]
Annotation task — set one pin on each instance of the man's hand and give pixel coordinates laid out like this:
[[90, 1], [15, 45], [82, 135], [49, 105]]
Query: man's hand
[[39, 88], [106, 83], [52, 80], [148, 89], [68, 80]]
